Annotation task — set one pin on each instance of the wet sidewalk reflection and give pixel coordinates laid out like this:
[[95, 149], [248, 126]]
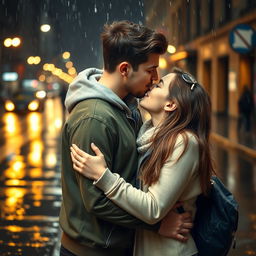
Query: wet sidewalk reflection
[[30, 194], [227, 127], [238, 172]]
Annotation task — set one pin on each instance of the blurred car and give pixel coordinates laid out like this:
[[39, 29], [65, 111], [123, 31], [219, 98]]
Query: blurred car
[[53, 90], [25, 101]]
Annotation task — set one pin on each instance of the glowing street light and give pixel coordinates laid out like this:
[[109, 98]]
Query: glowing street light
[[42, 78], [171, 49], [69, 64], [8, 42], [66, 55], [45, 28], [30, 60], [72, 71], [15, 42], [33, 60], [37, 60], [162, 63]]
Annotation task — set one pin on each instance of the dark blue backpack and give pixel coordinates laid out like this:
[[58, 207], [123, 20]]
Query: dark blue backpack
[[216, 221]]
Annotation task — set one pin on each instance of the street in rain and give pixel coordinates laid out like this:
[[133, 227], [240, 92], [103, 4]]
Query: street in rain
[[45, 44]]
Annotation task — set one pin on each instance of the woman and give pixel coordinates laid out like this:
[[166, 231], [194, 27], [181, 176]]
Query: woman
[[175, 161]]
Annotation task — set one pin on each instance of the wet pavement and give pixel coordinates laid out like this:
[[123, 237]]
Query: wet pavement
[[238, 172], [234, 152], [30, 192], [226, 131]]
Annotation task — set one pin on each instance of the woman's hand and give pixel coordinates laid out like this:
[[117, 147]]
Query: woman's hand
[[90, 166]]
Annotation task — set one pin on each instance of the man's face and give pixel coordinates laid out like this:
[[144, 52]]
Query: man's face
[[140, 81]]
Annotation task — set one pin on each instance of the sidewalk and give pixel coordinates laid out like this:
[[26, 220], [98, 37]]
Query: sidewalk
[[225, 131]]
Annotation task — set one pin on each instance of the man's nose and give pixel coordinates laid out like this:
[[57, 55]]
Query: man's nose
[[154, 77]]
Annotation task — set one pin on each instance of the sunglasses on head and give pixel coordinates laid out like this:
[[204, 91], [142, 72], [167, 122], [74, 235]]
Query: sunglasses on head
[[190, 80]]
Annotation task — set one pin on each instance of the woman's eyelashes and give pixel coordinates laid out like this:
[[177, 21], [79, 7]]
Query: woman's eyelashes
[[159, 84]]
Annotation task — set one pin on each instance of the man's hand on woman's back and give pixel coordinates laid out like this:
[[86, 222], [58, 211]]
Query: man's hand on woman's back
[[176, 225]]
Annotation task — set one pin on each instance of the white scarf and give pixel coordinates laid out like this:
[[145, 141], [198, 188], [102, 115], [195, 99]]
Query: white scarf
[[146, 132]]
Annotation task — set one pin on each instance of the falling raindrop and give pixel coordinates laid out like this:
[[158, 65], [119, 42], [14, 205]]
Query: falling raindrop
[[107, 16], [95, 8], [141, 13], [85, 35], [110, 5], [79, 22]]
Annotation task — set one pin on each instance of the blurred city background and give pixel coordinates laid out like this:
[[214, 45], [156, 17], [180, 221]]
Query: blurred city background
[[44, 44]]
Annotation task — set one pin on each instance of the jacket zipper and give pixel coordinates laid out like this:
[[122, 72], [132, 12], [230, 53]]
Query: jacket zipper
[[109, 237]]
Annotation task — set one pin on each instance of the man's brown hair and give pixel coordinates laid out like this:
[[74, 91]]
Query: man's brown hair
[[127, 41]]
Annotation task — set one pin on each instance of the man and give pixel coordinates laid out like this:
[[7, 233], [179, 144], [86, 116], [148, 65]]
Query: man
[[104, 111]]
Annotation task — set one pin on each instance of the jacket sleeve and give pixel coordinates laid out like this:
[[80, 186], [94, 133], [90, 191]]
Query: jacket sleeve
[[95, 202], [153, 205]]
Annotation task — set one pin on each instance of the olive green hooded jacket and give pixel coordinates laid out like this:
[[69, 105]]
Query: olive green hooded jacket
[[98, 115]]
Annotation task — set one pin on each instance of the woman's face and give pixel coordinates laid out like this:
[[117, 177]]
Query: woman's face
[[155, 100]]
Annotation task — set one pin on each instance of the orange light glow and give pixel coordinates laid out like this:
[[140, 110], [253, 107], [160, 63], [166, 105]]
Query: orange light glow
[[179, 56]]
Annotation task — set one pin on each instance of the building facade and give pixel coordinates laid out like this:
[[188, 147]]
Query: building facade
[[201, 31]]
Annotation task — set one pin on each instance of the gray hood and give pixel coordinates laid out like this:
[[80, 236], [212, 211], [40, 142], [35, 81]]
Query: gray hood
[[86, 86]]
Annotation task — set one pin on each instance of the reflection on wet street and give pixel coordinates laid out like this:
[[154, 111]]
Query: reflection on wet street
[[30, 192], [238, 172]]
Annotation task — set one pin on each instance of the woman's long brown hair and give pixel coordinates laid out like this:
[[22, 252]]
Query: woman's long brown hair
[[193, 114]]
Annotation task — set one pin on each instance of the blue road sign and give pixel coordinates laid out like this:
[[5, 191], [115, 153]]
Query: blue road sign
[[242, 38]]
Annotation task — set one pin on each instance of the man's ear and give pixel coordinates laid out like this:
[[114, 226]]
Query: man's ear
[[124, 68], [170, 106]]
